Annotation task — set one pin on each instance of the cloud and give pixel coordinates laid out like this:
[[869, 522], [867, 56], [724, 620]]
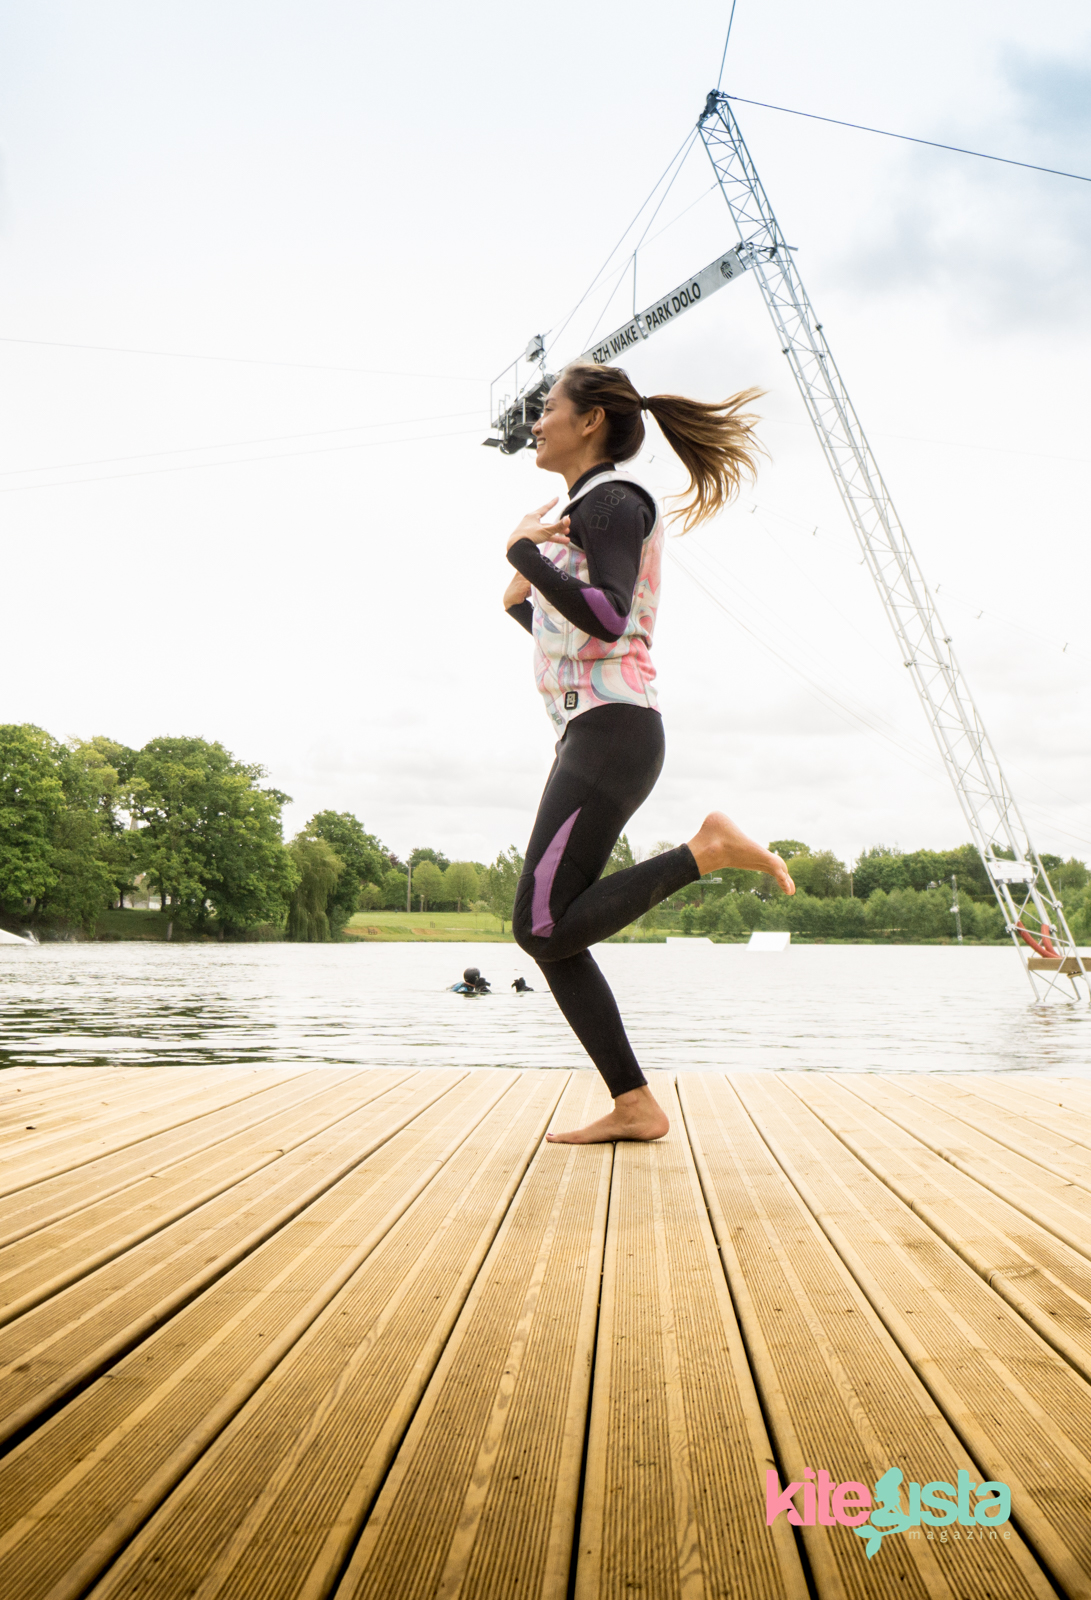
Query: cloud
[[1008, 249], [1054, 99]]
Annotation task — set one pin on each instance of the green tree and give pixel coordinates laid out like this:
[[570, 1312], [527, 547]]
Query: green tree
[[63, 850], [887, 867], [728, 917], [363, 860], [31, 798], [427, 883], [820, 874], [1077, 906], [319, 870], [103, 771], [210, 835], [688, 919], [394, 888], [621, 856], [752, 911], [91, 857], [881, 867], [436, 857], [788, 849], [912, 914], [501, 881], [460, 883], [822, 916], [1071, 874]]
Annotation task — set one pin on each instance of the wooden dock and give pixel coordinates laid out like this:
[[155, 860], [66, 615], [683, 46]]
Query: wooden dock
[[291, 1334]]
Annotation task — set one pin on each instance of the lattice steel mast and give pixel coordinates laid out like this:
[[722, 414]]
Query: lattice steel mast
[[1022, 884]]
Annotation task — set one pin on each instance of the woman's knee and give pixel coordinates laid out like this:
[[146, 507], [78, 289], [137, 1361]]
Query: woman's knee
[[521, 919]]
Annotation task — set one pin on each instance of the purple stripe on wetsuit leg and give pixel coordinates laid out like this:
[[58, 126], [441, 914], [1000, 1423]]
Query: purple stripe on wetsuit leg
[[604, 611], [541, 923]]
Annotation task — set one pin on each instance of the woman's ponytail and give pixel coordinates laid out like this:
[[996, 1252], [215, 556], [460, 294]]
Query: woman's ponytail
[[715, 442], [716, 445]]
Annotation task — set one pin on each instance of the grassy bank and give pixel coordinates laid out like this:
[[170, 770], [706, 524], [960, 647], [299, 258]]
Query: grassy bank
[[428, 927]]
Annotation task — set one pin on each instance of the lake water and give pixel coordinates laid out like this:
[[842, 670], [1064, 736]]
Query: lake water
[[853, 1008]]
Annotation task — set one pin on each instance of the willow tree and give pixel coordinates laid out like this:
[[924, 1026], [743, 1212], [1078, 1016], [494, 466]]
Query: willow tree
[[319, 868]]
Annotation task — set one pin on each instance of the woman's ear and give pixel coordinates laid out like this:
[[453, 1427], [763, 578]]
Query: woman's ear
[[593, 420]]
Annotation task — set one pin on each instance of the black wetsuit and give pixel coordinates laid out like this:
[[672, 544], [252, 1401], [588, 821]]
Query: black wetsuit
[[613, 546], [607, 763]]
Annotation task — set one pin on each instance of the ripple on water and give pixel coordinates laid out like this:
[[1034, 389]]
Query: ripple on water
[[698, 1007]]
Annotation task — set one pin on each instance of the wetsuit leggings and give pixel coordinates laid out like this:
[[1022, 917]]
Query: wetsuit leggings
[[607, 763]]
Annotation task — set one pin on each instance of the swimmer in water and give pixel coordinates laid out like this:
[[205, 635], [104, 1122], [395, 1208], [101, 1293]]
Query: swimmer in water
[[521, 986], [472, 983], [586, 588]]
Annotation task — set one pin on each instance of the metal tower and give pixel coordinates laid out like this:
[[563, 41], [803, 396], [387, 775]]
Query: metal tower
[[1020, 881]]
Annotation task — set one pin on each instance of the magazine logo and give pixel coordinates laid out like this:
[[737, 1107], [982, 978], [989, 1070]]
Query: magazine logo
[[872, 1514]]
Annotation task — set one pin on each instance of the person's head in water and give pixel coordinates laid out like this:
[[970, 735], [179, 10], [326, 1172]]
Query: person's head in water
[[593, 414], [471, 975]]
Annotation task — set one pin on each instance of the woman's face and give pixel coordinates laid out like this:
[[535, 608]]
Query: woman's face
[[562, 432]]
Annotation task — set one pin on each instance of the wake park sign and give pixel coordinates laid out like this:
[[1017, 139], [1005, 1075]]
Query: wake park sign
[[725, 269]]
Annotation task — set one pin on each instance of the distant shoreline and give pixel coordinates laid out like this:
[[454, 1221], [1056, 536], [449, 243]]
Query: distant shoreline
[[428, 927]]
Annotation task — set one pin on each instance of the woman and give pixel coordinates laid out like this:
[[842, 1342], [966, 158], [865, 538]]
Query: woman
[[594, 576]]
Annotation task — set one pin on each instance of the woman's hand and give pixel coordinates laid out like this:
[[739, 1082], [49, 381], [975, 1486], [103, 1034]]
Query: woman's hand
[[517, 591], [532, 527]]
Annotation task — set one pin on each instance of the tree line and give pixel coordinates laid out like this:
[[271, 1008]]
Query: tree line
[[888, 893], [87, 824]]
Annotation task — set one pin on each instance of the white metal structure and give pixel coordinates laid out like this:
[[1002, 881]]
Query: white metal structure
[[1019, 880]]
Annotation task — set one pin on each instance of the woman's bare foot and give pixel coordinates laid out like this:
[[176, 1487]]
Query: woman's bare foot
[[719, 843], [636, 1115]]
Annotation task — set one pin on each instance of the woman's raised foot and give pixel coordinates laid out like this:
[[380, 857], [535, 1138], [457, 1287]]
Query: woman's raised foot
[[636, 1115], [719, 842]]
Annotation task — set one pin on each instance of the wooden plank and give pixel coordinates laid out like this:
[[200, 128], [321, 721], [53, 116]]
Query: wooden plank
[[1074, 1093], [481, 1498], [1021, 1412], [63, 1196], [674, 1501], [49, 1259], [1054, 1203], [79, 1118], [1067, 1123], [1054, 1153], [1071, 965], [13, 1078], [384, 1259], [156, 1109], [63, 1109], [21, 1090], [61, 1344], [1048, 1284], [837, 1392]]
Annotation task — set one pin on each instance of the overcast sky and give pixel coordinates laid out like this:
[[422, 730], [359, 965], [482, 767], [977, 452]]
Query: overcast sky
[[260, 261]]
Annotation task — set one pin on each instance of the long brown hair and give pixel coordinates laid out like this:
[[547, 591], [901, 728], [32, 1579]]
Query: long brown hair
[[715, 442]]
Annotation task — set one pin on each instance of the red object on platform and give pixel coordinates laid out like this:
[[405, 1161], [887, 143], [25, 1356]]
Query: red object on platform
[[1045, 949]]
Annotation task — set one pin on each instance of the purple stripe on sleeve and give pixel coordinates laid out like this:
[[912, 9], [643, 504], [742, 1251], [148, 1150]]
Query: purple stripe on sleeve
[[604, 611], [541, 923]]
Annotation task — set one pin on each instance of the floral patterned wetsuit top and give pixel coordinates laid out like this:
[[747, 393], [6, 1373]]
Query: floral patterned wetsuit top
[[593, 603]]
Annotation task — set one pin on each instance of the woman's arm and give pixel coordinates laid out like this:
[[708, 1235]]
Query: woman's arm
[[610, 526], [517, 602]]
